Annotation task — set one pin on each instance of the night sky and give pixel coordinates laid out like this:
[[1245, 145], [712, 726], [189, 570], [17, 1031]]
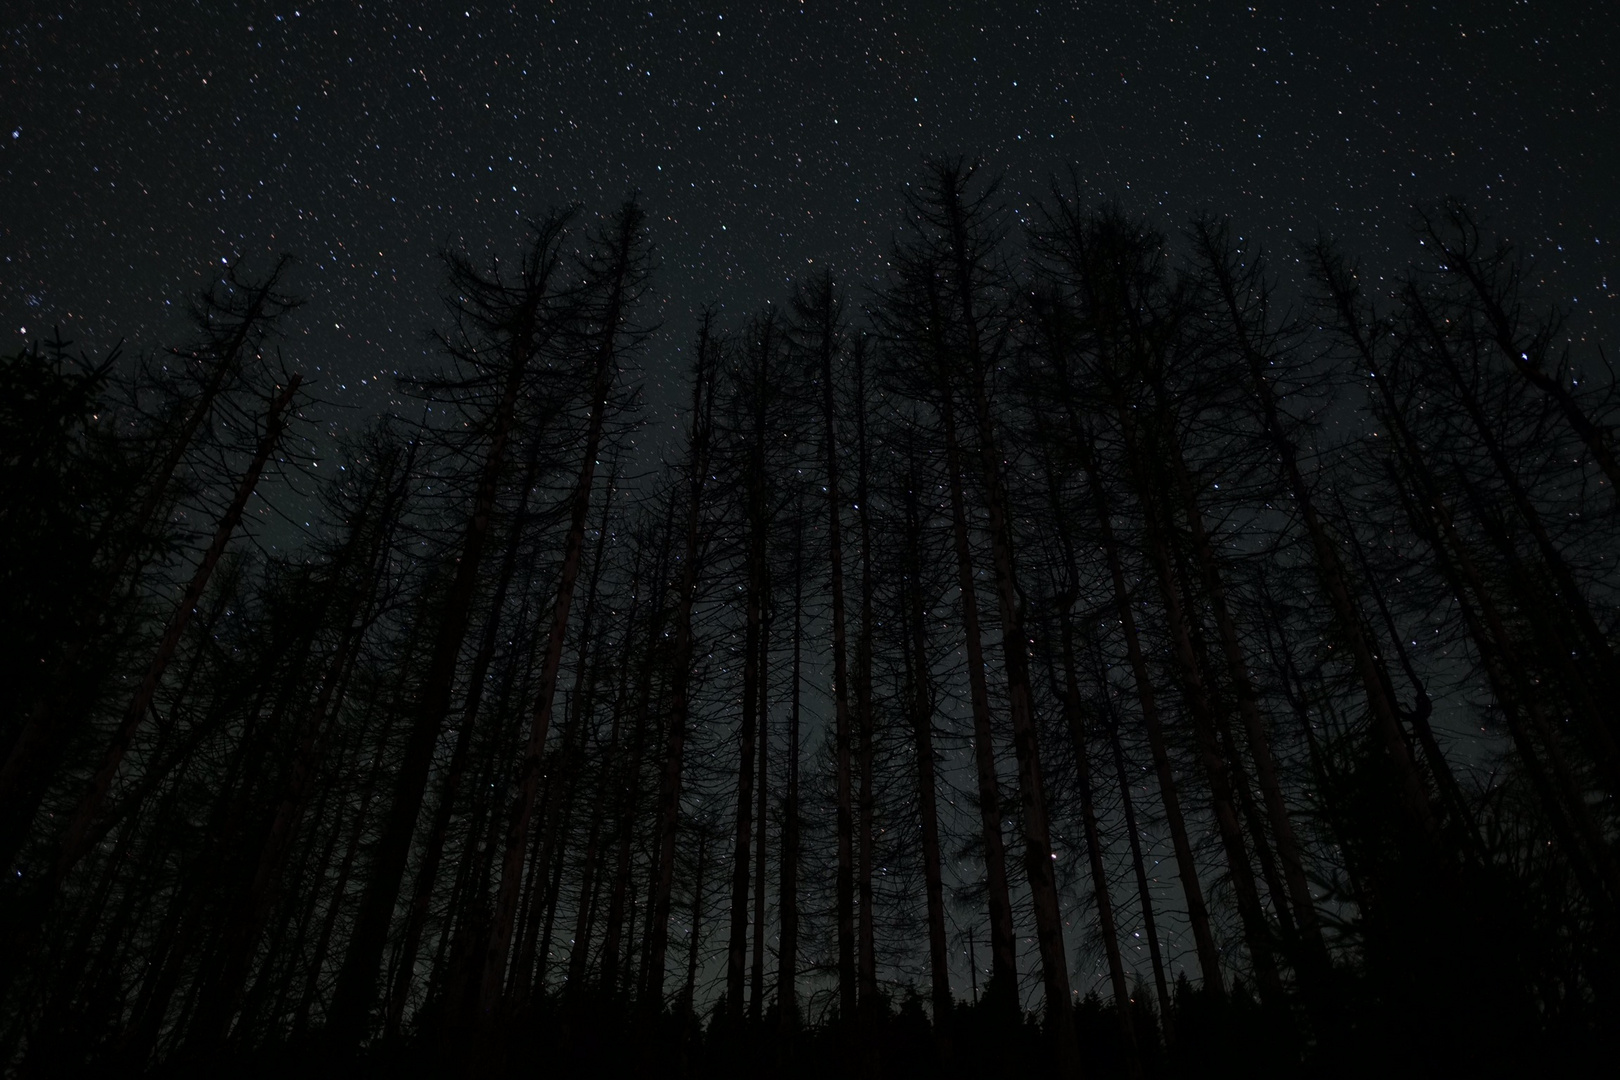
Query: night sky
[[147, 144]]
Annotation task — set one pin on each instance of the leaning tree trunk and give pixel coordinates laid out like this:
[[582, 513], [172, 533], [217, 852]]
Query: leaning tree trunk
[[690, 992], [241, 936], [787, 961], [590, 879], [72, 846], [619, 284], [1003, 958], [1143, 893], [1200, 710], [922, 725], [1038, 867], [737, 942], [355, 994], [1083, 443], [1075, 720], [34, 754], [427, 874], [669, 790]]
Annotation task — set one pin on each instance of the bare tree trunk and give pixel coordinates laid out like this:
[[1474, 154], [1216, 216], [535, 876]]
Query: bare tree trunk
[[821, 309], [922, 725], [1083, 443], [579, 955], [583, 700], [756, 999], [689, 993], [756, 600], [73, 846], [243, 930], [1201, 711], [629, 780], [35, 752], [528, 977], [1187, 868], [427, 873], [1014, 639], [1144, 894], [1075, 715], [619, 278], [1003, 958], [355, 994], [1386, 715], [737, 942], [866, 953], [787, 961], [1312, 958], [669, 791]]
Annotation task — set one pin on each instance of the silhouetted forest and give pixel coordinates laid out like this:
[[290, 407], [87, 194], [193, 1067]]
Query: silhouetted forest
[[1089, 653]]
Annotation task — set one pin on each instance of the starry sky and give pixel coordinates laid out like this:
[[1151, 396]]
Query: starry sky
[[146, 144]]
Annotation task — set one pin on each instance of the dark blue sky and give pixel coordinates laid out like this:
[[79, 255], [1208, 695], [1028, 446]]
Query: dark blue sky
[[144, 144]]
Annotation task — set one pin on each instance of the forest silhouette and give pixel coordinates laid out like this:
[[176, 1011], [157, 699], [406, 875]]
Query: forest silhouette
[[1089, 652]]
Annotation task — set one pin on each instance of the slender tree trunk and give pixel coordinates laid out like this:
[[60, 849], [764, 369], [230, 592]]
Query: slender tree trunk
[[1312, 959], [787, 961], [72, 847], [755, 602], [529, 976], [427, 874], [756, 998], [1014, 639], [737, 942], [866, 954], [1144, 894], [1147, 698], [619, 286], [629, 781], [242, 932], [1026, 744], [1003, 958], [689, 994], [1084, 445], [34, 754], [827, 334], [579, 955], [584, 710], [1200, 710], [669, 791], [1386, 716], [340, 885], [922, 726], [355, 993], [1074, 713]]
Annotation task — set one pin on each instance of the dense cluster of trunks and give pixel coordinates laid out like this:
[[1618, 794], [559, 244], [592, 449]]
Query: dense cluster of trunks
[[1176, 649]]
